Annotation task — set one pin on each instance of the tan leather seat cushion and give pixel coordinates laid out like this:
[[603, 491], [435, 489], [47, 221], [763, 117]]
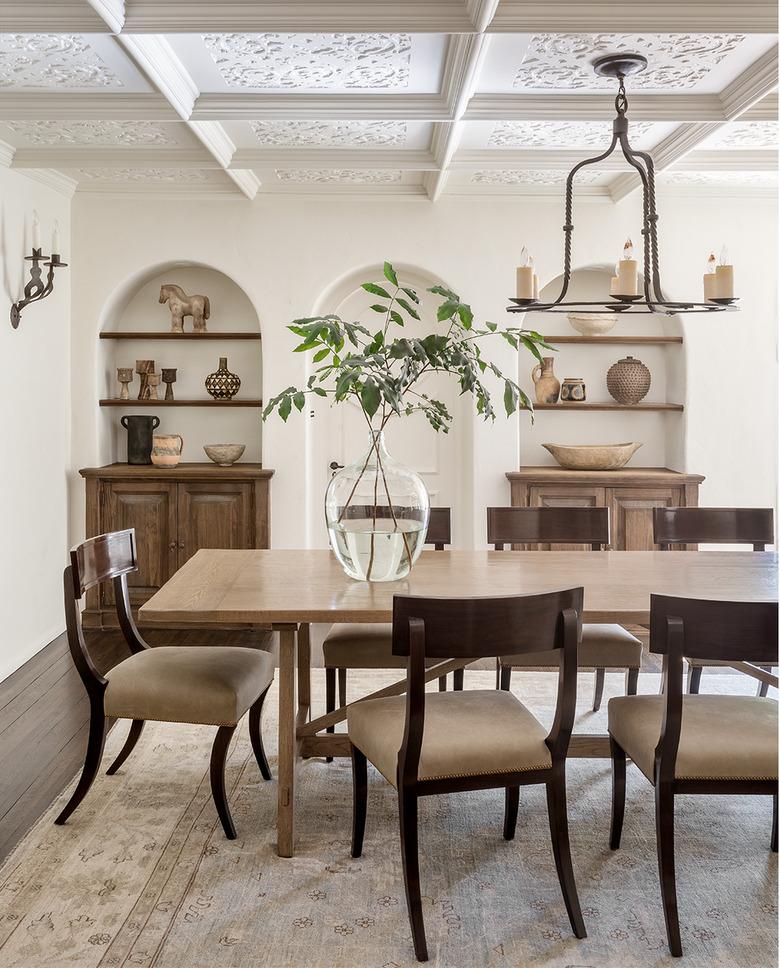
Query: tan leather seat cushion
[[466, 733], [363, 646], [214, 685], [722, 737], [701, 663], [602, 646]]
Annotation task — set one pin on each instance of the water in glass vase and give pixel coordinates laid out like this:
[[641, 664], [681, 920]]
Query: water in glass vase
[[378, 550]]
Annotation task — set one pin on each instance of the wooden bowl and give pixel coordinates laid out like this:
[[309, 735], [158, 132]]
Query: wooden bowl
[[592, 324], [592, 457], [224, 454]]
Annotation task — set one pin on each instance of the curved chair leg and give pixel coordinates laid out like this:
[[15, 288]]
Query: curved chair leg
[[442, 683], [598, 689], [457, 680], [359, 798], [218, 756], [559, 834], [632, 681], [763, 687], [774, 824], [97, 737], [694, 679], [330, 701], [664, 829], [407, 814], [136, 728], [618, 793], [511, 805], [256, 735], [505, 677]]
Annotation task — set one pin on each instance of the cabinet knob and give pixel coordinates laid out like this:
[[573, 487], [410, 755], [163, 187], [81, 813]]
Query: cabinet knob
[[181, 546], [172, 546]]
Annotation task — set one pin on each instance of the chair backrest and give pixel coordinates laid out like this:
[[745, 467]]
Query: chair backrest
[[448, 628], [548, 526], [106, 557], [703, 629], [439, 528], [754, 526]]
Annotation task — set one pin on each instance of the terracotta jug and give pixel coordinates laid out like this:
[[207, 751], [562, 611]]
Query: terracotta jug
[[166, 450], [546, 385]]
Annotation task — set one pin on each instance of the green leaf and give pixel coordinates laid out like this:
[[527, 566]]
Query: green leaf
[[447, 293], [411, 294], [409, 308], [370, 397], [390, 274], [510, 397], [447, 310], [396, 317], [376, 290], [378, 308], [322, 354], [299, 400], [492, 327], [319, 391], [466, 315], [285, 407], [305, 347]]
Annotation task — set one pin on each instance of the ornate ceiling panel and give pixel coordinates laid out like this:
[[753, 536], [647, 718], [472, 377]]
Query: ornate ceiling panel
[[311, 61], [560, 134], [524, 176], [744, 134], [340, 176], [677, 61], [189, 176], [331, 134], [98, 133], [730, 178], [52, 61]]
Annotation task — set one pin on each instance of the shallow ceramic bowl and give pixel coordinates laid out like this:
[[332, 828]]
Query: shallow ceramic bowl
[[592, 457], [592, 324], [224, 454]]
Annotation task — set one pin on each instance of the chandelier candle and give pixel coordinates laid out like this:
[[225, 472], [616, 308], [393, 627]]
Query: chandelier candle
[[525, 276], [724, 277], [627, 272], [614, 286], [710, 279]]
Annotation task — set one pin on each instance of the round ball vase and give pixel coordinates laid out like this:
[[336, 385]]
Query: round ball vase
[[377, 511], [222, 384], [628, 381]]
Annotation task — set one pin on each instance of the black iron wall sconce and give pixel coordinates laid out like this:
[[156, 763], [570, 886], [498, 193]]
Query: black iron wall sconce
[[36, 289]]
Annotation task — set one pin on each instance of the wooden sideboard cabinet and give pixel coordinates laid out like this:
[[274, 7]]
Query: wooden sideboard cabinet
[[175, 511], [630, 494]]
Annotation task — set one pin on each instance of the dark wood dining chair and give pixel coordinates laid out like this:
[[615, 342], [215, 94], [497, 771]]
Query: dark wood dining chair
[[365, 646], [209, 685], [445, 742], [603, 646], [716, 744], [744, 526]]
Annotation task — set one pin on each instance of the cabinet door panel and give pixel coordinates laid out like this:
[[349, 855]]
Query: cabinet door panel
[[564, 496], [631, 510], [219, 515], [150, 508]]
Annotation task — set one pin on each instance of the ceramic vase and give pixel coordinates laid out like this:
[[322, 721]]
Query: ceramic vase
[[139, 429], [166, 450], [628, 381], [547, 387], [222, 384]]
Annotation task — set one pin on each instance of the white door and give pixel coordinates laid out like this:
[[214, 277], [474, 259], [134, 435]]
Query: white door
[[338, 434]]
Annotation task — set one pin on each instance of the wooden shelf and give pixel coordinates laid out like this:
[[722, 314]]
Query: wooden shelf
[[182, 336], [240, 402], [616, 340], [644, 407]]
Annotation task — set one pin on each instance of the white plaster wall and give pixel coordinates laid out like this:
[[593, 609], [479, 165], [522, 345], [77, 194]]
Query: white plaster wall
[[286, 251], [35, 408]]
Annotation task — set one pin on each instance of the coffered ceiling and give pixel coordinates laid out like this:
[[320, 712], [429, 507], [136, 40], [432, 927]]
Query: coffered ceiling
[[359, 97]]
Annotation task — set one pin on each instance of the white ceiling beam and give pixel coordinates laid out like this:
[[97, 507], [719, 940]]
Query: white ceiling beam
[[593, 107], [80, 106], [362, 158], [752, 86], [736, 159], [625, 16], [72, 158], [766, 110], [62, 16], [295, 16], [111, 12], [329, 107]]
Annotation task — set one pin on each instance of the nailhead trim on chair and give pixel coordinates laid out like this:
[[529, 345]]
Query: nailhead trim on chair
[[455, 776]]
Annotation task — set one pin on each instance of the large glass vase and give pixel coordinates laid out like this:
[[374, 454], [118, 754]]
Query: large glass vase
[[377, 513]]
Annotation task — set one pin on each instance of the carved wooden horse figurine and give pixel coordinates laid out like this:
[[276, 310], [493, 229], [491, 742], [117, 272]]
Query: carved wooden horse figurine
[[181, 305]]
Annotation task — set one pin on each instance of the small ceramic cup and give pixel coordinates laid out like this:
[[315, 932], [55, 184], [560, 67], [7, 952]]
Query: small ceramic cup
[[573, 390]]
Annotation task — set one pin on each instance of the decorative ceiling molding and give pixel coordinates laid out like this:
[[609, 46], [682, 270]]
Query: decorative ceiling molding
[[129, 134], [155, 57], [82, 106], [534, 158], [73, 158], [340, 176], [593, 107], [659, 16], [73, 16], [347, 158], [729, 160], [52, 61], [330, 134], [527, 176], [246, 181], [559, 134], [111, 12], [53, 179], [556, 61], [307, 62], [744, 134], [169, 175], [7, 153], [737, 178], [767, 109], [332, 107]]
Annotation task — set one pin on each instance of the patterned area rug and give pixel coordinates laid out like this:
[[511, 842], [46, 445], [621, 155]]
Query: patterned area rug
[[142, 875]]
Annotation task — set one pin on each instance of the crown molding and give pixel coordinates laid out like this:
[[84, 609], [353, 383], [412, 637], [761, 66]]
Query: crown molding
[[113, 158], [326, 16], [381, 158], [214, 138], [58, 16], [766, 109], [211, 190], [246, 181], [7, 153], [552, 192], [529, 159], [352, 191], [465, 54], [81, 106], [157, 60], [593, 107], [751, 87], [658, 16], [52, 179], [111, 12], [721, 191], [481, 13], [331, 107], [748, 159]]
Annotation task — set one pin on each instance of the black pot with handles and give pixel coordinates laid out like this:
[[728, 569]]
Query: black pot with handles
[[139, 429]]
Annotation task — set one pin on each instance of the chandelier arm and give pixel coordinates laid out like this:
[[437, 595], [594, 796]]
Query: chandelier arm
[[631, 158], [648, 160], [568, 228]]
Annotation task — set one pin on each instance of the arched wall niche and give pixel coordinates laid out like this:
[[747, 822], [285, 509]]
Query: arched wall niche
[[662, 434], [340, 434], [134, 306]]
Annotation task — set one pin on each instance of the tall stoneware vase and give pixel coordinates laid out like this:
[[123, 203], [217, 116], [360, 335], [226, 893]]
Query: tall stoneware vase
[[547, 387]]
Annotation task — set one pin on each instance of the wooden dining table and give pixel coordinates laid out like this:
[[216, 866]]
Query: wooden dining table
[[290, 589]]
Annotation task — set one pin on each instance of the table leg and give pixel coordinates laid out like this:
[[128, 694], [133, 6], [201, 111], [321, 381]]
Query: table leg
[[288, 754]]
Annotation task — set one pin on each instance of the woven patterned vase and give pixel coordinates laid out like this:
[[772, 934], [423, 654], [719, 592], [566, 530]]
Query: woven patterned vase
[[222, 384], [628, 381]]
